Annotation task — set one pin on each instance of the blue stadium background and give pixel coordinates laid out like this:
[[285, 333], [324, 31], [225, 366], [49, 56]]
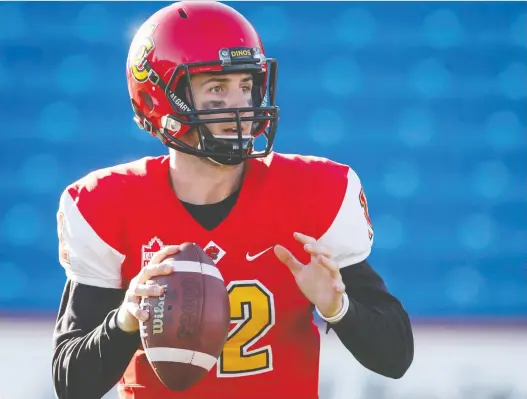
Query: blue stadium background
[[427, 101]]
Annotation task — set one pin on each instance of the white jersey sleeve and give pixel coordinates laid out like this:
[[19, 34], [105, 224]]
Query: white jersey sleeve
[[86, 257], [350, 236]]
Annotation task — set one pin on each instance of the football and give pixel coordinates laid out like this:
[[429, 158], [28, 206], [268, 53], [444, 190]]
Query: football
[[189, 324]]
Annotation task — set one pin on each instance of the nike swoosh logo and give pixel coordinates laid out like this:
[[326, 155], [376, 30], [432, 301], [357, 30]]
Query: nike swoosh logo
[[253, 257]]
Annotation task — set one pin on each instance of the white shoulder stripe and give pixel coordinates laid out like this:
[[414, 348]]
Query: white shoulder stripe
[[92, 261], [348, 235]]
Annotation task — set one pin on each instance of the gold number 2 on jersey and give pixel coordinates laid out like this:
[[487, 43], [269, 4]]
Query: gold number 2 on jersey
[[252, 309]]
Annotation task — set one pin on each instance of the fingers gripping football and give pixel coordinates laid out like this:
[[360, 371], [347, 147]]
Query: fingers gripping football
[[141, 286]]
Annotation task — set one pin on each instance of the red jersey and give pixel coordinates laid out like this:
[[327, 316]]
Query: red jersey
[[115, 219]]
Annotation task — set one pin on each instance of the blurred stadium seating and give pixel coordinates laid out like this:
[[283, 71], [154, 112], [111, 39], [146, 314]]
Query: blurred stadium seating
[[427, 101]]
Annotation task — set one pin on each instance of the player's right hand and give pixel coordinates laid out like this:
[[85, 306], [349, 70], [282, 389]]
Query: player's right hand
[[130, 312]]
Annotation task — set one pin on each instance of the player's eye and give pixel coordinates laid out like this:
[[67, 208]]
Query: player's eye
[[246, 89], [216, 89]]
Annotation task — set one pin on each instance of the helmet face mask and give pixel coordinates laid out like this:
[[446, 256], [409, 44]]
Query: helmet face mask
[[177, 112]]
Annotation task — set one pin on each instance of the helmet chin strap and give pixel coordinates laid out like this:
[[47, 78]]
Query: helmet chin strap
[[227, 153], [222, 163]]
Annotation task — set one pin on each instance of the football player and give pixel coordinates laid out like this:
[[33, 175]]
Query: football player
[[290, 234]]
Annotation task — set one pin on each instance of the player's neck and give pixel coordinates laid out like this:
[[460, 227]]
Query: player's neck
[[198, 181]]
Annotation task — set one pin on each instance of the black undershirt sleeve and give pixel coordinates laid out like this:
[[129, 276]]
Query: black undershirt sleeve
[[376, 329], [90, 353]]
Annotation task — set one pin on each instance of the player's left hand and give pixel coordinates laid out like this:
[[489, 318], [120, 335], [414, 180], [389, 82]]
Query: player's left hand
[[320, 280]]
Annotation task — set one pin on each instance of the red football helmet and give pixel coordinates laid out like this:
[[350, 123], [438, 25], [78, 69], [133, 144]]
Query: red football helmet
[[188, 38]]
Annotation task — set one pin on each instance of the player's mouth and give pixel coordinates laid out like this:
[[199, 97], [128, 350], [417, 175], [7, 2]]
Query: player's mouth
[[233, 132]]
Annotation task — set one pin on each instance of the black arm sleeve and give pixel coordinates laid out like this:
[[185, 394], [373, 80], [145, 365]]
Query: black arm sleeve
[[376, 329], [90, 352]]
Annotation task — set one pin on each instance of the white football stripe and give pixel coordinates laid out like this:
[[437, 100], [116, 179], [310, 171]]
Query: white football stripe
[[176, 355], [193, 267]]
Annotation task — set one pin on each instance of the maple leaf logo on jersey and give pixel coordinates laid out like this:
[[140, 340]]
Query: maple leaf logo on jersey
[[148, 250], [214, 251]]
